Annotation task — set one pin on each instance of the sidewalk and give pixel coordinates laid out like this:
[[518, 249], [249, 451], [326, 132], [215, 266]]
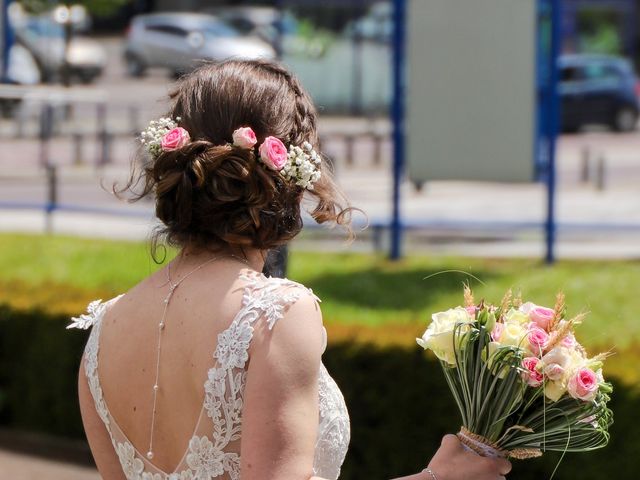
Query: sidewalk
[[18, 466]]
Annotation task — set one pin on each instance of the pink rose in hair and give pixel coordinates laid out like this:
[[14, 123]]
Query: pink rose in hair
[[541, 316], [583, 385], [273, 153], [244, 137], [175, 139], [531, 373], [538, 339]]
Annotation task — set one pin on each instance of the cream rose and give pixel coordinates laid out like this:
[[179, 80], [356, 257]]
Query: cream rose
[[516, 316], [554, 390], [439, 336], [513, 333]]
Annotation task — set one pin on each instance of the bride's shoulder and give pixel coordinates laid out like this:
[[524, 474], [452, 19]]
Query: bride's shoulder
[[282, 289], [95, 312], [291, 305]]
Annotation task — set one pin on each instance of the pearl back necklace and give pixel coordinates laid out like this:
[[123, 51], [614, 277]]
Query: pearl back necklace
[[161, 325]]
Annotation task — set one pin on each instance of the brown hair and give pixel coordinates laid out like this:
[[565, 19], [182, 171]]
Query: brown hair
[[211, 194]]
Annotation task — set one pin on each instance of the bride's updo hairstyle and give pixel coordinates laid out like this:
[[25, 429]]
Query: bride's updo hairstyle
[[211, 194]]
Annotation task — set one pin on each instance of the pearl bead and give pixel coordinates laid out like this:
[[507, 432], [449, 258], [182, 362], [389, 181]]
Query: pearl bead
[[161, 325], [149, 454], [155, 387]]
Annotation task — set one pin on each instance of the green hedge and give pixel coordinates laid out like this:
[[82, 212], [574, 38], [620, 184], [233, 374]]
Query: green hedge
[[398, 402]]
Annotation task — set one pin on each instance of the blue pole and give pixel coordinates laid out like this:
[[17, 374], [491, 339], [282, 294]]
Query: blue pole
[[552, 120], [397, 116]]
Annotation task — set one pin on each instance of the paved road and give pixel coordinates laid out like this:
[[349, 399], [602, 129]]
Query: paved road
[[16, 466], [491, 218]]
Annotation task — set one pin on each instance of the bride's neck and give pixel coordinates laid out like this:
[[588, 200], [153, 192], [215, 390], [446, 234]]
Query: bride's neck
[[253, 258]]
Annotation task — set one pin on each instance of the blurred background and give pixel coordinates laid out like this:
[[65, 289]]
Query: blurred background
[[512, 156]]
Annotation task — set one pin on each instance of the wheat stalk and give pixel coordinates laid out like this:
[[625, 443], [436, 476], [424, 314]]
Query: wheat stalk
[[563, 330], [468, 296], [507, 301], [558, 311]]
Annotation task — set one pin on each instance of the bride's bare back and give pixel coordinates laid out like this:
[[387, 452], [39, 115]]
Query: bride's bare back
[[288, 425], [200, 309]]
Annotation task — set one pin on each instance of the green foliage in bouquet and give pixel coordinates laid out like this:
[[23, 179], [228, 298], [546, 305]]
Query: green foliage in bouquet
[[521, 381]]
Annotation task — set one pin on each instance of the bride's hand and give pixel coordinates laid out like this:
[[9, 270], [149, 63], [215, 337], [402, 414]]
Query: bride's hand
[[453, 462]]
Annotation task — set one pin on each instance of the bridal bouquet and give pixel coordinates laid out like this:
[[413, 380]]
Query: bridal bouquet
[[521, 380]]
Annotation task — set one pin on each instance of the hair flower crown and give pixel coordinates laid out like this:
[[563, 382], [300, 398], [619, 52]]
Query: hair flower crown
[[299, 164]]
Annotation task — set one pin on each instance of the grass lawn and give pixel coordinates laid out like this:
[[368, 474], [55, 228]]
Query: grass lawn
[[360, 292]]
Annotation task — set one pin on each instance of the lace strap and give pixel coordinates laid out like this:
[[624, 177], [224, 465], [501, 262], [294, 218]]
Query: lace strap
[[95, 311], [270, 296]]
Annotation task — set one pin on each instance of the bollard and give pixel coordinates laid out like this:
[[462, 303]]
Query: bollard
[[77, 139], [52, 197], [376, 237], [106, 140], [349, 141], [377, 148], [46, 131], [101, 132], [276, 262], [601, 173], [134, 119], [585, 170]]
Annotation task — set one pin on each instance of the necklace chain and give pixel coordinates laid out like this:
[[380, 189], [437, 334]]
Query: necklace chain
[[161, 325]]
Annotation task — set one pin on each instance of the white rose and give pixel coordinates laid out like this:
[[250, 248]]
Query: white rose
[[517, 316], [554, 390], [439, 337], [513, 333], [556, 363]]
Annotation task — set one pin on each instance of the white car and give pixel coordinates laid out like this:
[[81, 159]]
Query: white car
[[180, 41], [44, 39]]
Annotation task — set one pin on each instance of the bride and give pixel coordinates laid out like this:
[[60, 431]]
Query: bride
[[208, 369]]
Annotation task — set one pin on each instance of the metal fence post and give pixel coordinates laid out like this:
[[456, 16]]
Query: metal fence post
[[103, 137], [46, 130], [52, 196], [78, 139]]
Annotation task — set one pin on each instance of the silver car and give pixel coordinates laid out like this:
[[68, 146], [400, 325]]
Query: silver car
[[180, 41], [45, 40]]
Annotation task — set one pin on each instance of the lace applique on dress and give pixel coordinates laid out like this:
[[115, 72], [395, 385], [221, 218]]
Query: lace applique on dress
[[208, 454]]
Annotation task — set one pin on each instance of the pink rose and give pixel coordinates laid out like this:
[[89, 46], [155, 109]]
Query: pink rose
[[175, 139], [471, 311], [569, 341], [538, 339], [554, 371], [244, 137], [583, 385], [532, 375], [273, 153], [496, 333], [541, 316]]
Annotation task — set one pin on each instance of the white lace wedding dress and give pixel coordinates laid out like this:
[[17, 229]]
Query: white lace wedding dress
[[214, 448]]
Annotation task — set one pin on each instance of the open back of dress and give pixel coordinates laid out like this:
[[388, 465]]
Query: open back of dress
[[214, 448]]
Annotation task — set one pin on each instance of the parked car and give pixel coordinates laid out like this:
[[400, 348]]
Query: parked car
[[45, 40], [259, 21], [179, 41], [598, 89]]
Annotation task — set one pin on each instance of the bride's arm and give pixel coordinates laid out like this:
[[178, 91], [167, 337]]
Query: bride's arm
[[280, 416]]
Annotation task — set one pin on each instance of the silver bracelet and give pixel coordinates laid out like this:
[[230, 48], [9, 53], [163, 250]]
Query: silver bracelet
[[430, 472]]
